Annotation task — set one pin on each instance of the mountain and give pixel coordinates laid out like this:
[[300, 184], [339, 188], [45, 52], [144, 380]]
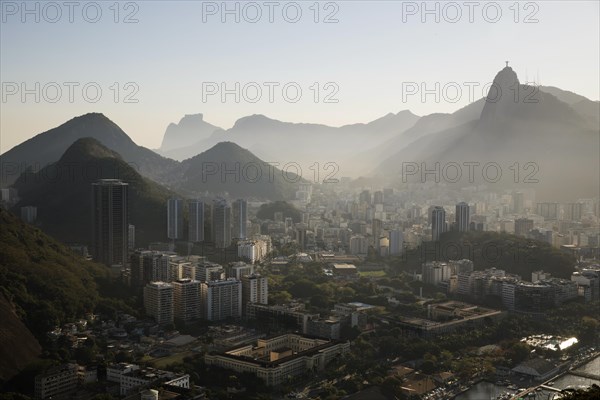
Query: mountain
[[227, 168], [191, 129], [582, 105], [62, 194], [43, 284], [18, 346], [49, 146], [303, 143], [556, 148], [426, 125]]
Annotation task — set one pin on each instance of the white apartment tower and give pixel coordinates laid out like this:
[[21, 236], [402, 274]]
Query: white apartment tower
[[221, 299], [158, 301], [186, 295], [255, 289]]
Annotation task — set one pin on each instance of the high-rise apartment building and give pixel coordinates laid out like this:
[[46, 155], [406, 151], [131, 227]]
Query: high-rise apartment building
[[110, 225], [518, 202], [547, 210], [438, 222], [221, 299], [222, 224], [175, 219], [186, 295], [396, 242], [240, 218], [523, 226], [255, 289], [462, 217], [159, 302], [196, 221]]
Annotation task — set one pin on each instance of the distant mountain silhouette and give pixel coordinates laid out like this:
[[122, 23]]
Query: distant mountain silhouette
[[191, 129], [227, 168], [582, 105], [523, 124], [426, 125], [513, 123], [304, 143], [62, 194], [49, 146]]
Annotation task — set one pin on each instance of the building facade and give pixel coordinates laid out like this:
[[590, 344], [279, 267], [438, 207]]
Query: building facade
[[175, 219], [110, 222], [221, 299], [159, 302], [196, 221]]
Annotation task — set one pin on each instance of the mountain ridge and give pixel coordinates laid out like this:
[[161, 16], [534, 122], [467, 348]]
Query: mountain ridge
[[512, 129], [62, 193], [48, 146]]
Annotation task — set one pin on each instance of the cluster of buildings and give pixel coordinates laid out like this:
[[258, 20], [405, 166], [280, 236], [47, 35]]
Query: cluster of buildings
[[122, 379], [384, 222], [543, 292], [222, 224], [294, 317], [131, 377], [188, 289]]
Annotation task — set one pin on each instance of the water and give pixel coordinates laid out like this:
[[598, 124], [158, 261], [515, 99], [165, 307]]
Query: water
[[573, 381], [483, 391], [593, 367], [486, 390]]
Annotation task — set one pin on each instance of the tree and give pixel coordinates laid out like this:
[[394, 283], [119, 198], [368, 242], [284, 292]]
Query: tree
[[428, 367], [518, 352], [85, 355], [591, 393], [304, 288], [319, 301], [281, 297], [588, 330]]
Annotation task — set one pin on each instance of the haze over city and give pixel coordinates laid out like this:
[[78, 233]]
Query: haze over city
[[383, 200]]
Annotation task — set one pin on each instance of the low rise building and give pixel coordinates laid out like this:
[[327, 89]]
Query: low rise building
[[445, 318], [114, 371], [288, 316], [538, 369], [138, 378], [275, 360], [343, 269], [325, 328], [57, 382]]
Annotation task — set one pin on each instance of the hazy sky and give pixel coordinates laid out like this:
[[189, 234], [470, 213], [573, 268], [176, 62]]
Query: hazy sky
[[177, 52]]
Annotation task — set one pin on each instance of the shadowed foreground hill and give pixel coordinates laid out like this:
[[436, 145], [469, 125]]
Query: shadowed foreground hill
[[43, 285], [18, 346], [62, 193]]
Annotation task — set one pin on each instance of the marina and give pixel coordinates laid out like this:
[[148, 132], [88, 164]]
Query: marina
[[584, 374]]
